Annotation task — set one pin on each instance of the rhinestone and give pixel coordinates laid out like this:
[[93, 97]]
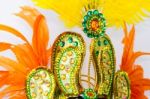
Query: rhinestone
[[36, 77], [85, 17], [32, 85], [67, 85], [96, 12], [69, 53], [97, 52], [75, 43], [40, 90], [110, 71], [100, 14], [41, 82], [62, 44], [99, 43], [105, 42], [45, 93], [33, 95], [84, 24], [48, 84], [85, 30], [94, 24], [109, 62], [64, 59], [62, 67], [89, 35], [63, 76], [43, 75], [70, 40], [89, 13], [71, 61]]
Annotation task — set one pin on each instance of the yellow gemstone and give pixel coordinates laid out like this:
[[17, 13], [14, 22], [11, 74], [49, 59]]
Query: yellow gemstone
[[45, 93], [36, 77], [67, 85], [41, 82], [40, 90], [62, 67], [109, 62], [63, 76], [43, 75], [47, 83], [71, 61], [32, 85], [69, 53], [110, 71], [95, 25], [33, 95], [64, 59]]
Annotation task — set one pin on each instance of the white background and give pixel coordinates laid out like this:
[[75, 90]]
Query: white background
[[56, 26]]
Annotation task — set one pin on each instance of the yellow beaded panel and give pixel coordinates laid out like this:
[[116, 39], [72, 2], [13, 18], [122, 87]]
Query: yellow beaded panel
[[67, 64], [68, 53], [40, 84], [104, 61], [121, 86], [65, 40]]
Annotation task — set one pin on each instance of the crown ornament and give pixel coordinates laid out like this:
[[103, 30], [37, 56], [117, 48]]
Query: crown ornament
[[31, 77]]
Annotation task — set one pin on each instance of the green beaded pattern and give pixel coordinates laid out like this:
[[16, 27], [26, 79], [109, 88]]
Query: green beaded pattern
[[89, 94], [72, 44], [67, 65], [121, 86], [104, 61], [67, 39], [40, 84], [100, 26]]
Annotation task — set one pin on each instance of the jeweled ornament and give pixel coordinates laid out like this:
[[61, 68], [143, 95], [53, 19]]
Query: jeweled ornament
[[89, 94], [94, 24], [40, 84]]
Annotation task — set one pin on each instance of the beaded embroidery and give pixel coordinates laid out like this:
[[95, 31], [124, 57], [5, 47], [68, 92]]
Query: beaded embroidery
[[63, 81]]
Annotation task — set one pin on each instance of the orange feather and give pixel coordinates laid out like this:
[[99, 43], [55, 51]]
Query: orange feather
[[138, 83], [29, 56]]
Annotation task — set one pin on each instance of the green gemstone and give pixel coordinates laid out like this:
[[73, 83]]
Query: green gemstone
[[105, 42], [89, 35], [62, 44], [75, 43], [86, 17], [103, 20], [84, 24], [97, 52], [70, 40], [89, 13], [96, 36], [100, 15], [99, 43], [96, 12], [85, 30], [102, 34]]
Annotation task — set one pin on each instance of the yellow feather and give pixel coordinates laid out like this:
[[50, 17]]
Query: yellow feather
[[116, 12]]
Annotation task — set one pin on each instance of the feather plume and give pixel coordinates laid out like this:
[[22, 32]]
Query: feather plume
[[29, 56], [116, 11], [138, 83]]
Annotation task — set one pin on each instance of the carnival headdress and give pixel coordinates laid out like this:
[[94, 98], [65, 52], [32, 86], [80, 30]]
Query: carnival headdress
[[30, 77]]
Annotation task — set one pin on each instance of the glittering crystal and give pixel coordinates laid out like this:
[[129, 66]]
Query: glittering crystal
[[75, 43], [96, 12], [70, 40], [62, 44], [105, 42], [99, 43]]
